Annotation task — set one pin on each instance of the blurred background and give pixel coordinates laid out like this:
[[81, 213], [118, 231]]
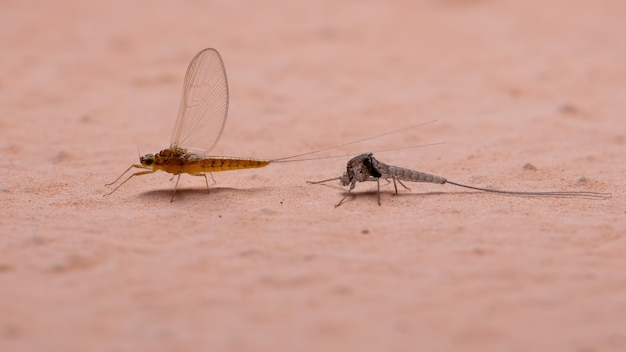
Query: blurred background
[[265, 262]]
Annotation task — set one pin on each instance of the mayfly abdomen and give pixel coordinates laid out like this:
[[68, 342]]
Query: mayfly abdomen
[[403, 174], [225, 164]]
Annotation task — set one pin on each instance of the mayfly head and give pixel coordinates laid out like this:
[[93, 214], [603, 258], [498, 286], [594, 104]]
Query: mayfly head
[[344, 179], [147, 159], [359, 169]]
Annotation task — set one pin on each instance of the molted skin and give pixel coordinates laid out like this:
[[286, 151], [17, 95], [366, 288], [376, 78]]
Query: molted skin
[[364, 167]]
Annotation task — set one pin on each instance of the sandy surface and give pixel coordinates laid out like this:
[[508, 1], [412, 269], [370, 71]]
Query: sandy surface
[[265, 261]]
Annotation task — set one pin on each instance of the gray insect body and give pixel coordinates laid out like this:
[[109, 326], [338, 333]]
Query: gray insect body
[[365, 167]]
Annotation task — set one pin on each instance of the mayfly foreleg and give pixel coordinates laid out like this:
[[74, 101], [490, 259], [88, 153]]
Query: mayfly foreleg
[[323, 181], [352, 185], [150, 171], [139, 166]]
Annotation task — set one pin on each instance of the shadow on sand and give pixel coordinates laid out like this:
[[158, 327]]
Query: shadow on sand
[[198, 193]]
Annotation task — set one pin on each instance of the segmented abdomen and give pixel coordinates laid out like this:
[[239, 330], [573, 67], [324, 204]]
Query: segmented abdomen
[[213, 164], [403, 174]]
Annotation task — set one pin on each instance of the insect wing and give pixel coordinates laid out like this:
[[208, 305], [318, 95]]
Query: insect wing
[[204, 104]]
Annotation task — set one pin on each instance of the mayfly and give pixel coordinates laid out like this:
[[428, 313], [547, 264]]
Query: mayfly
[[199, 125], [365, 167], [201, 119]]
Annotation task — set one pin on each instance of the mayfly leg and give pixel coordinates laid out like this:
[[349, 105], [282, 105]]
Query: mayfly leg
[[323, 181], [205, 179], [149, 171], [345, 195]]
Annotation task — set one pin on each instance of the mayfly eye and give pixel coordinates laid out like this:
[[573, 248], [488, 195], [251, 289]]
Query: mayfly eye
[[344, 180], [147, 159]]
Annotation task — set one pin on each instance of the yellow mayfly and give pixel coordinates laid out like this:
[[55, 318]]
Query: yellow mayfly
[[201, 119], [199, 125]]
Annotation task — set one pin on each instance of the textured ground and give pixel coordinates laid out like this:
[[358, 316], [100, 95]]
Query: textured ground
[[265, 262]]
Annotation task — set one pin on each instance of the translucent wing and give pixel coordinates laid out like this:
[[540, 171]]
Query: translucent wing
[[204, 105]]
